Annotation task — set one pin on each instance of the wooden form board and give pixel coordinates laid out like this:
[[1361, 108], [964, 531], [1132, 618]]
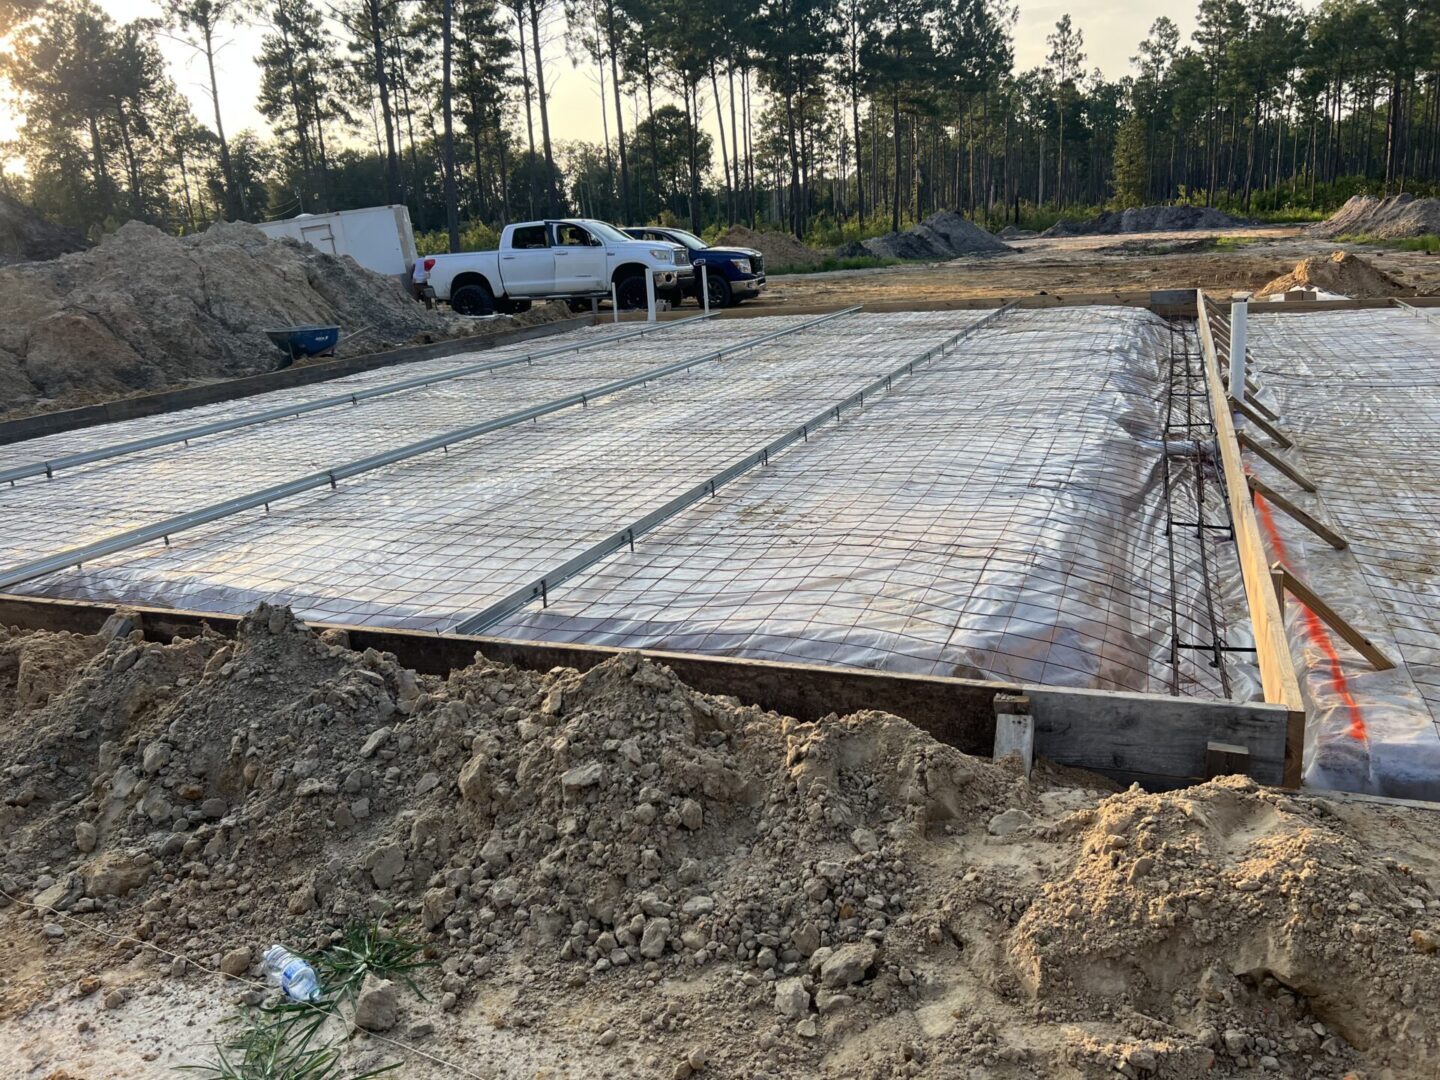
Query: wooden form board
[[1152, 739], [1277, 669]]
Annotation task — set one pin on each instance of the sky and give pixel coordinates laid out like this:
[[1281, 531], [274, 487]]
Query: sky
[[1112, 29]]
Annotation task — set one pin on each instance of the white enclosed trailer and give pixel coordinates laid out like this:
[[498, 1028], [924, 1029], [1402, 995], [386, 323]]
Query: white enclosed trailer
[[379, 238]]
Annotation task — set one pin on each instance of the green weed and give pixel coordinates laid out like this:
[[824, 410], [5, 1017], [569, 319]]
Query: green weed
[[283, 1040]]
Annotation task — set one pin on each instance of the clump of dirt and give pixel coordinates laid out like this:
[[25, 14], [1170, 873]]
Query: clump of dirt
[[650, 877], [144, 311], [1144, 219], [25, 236], [1339, 272], [1391, 218], [943, 235], [779, 248]]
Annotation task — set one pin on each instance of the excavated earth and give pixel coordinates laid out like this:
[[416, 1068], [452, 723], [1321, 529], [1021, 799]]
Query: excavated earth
[[145, 311], [1390, 218], [1341, 272], [617, 876]]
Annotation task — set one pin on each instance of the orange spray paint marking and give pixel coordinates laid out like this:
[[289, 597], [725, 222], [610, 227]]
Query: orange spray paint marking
[[1316, 632]]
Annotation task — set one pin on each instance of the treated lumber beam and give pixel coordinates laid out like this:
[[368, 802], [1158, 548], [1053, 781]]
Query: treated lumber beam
[[1333, 619], [1153, 739], [1315, 525], [1275, 461], [1277, 670]]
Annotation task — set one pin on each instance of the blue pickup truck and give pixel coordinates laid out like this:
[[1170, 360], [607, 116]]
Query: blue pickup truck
[[734, 274]]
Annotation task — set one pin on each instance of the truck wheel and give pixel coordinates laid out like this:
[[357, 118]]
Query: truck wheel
[[720, 296], [630, 293], [473, 299]]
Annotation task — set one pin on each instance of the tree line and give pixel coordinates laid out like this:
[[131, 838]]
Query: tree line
[[828, 115]]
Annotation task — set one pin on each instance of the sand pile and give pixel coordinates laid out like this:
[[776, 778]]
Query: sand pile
[[1339, 272], [648, 877], [1145, 219], [1397, 216], [145, 310], [779, 248], [26, 237], [944, 235]]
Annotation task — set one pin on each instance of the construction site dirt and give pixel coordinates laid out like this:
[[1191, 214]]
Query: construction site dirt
[[548, 853], [611, 875], [1242, 258]]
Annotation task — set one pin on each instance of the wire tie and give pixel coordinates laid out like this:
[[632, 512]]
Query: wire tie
[[544, 594], [49, 474], [332, 479], [631, 534], [167, 540]]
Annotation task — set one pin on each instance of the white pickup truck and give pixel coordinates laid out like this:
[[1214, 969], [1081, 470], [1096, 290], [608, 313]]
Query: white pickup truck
[[570, 259]]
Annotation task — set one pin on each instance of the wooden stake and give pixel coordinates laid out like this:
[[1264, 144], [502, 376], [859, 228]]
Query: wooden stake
[[1258, 405], [1254, 416], [1358, 641], [1319, 528], [1275, 461], [1226, 759]]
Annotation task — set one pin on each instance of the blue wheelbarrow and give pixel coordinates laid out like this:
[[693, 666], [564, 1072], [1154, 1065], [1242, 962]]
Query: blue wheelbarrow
[[298, 341]]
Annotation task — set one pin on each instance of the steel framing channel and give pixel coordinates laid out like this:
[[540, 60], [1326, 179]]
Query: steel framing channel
[[162, 530], [539, 589], [135, 446]]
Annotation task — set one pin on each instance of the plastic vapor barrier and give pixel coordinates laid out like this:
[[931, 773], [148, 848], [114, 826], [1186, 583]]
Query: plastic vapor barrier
[[1000, 513], [1359, 392]]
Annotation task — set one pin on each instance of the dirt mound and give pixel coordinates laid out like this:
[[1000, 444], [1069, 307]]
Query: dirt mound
[[646, 874], [27, 237], [779, 248], [1392, 218], [1339, 272], [1145, 219], [1014, 232], [144, 310], [944, 235]]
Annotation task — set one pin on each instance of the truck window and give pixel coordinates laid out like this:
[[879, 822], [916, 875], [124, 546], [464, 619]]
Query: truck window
[[531, 236], [568, 235]]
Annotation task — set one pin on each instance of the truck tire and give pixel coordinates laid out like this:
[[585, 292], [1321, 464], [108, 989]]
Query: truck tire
[[720, 294], [630, 293], [473, 299]]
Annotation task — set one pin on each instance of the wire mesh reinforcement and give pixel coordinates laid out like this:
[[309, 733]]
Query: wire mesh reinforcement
[[998, 515], [48, 466], [86, 504], [427, 541], [333, 474], [1359, 391]]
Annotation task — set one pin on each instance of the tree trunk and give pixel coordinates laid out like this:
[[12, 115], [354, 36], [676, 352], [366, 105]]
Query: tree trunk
[[447, 53], [614, 46], [382, 83], [556, 206], [232, 202]]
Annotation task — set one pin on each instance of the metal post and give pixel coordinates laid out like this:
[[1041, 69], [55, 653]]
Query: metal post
[[705, 287], [1238, 312], [614, 302], [650, 296]]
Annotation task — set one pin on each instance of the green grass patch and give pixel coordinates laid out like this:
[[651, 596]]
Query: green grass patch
[[1428, 242], [830, 262], [1234, 243]]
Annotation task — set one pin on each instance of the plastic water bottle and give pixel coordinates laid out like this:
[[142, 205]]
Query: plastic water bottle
[[292, 974]]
